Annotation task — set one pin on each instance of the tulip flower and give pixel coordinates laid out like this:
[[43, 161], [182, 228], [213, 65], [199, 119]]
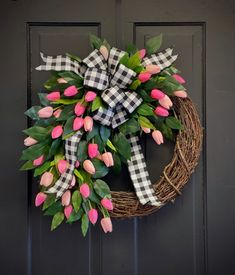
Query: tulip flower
[[108, 159], [30, 141], [90, 96], [157, 94], [152, 69], [107, 204], [66, 197], [157, 136], [78, 123], [38, 161], [71, 91], [61, 81], [79, 109], [89, 167], [57, 132], [93, 215], [144, 77], [92, 150], [62, 165], [104, 51], [68, 210], [46, 179], [45, 112], [40, 198], [57, 113], [88, 124], [106, 224], [146, 130], [99, 157], [85, 190], [73, 182], [53, 96], [179, 78], [182, 94], [160, 111], [77, 164], [166, 102], [142, 53]]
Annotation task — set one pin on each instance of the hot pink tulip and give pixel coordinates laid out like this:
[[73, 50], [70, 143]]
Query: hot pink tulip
[[79, 109], [153, 69], [57, 113], [70, 91], [77, 164], [62, 165], [93, 215], [46, 179], [144, 77], [85, 190], [90, 96], [106, 224], [53, 96], [107, 204], [30, 141], [179, 78], [68, 210], [57, 131], [89, 167], [38, 161], [104, 51], [88, 124], [160, 111], [78, 123], [61, 80], [166, 102], [45, 112], [157, 94], [142, 53], [40, 198], [92, 150], [146, 130], [158, 137], [66, 197], [108, 159], [182, 94]]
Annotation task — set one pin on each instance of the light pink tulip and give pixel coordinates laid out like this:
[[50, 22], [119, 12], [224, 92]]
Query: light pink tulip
[[38, 161], [46, 179], [88, 124], [66, 197], [146, 130], [78, 123], [160, 111], [61, 80], [30, 141], [182, 94], [144, 77], [104, 51], [79, 109], [142, 53], [107, 204], [62, 165], [179, 78], [71, 91], [53, 96], [106, 224], [153, 69], [68, 210], [157, 94], [40, 198], [166, 102], [77, 164], [57, 113], [73, 182], [45, 112], [92, 150], [108, 159], [93, 215], [89, 167], [99, 156], [90, 96], [158, 137], [85, 190], [57, 132]]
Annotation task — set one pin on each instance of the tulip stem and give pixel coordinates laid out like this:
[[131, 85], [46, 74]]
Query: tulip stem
[[89, 204]]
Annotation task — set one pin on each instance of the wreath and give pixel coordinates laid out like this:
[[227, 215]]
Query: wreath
[[92, 114]]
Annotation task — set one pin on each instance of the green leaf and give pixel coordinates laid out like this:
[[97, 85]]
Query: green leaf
[[100, 169], [57, 220], [43, 100], [67, 112], [75, 216], [41, 169], [38, 133], [153, 44], [167, 132], [145, 110], [66, 101], [145, 96], [74, 57], [82, 151], [111, 146], [33, 112], [49, 201], [100, 143], [96, 104], [35, 151], [101, 188], [84, 224], [105, 133], [53, 209], [169, 85], [94, 132], [78, 175], [117, 164], [131, 49], [149, 85], [174, 123], [134, 61], [51, 83], [76, 200], [71, 77], [135, 84], [129, 127], [124, 60], [55, 148], [144, 122], [123, 146], [27, 166], [95, 41], [68, 127], [93, 197]]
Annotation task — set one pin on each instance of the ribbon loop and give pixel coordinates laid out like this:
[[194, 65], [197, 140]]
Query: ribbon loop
[[114, 56], [96, 78], [122, 77], [95, 59], [131, 101], [113, 96]]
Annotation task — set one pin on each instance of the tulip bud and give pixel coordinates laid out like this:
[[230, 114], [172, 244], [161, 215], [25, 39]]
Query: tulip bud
[[106, 224], [73, 182], [158, 137], [40, 198], [46, 179], [153, 69], [68, 210], [108, 159], [77, 164], [146, 130], [166, 102], [38, 161], [142, 53], [45, 112], [182, 94], [66, 197], [79, 109], [57, 131], [179, 78], [157, 94], [92, 150], [53, 96], [144, 77], [160, 111], [71, 91], [61, 80], [57, 113], [104, 51], [85, 190], [88, 124], [30, 141], [107, 204], [93, 215], [78, 123], [89, 167], [90, 96], [62, 165]]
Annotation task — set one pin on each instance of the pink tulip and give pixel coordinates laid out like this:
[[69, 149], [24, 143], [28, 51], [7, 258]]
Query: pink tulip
[[153, 69], [146, 130], [66, 197], [77, 164], [89, 167], [46, 179], [157, 94], [144, 77], [85, 190], [106, 224], [62, 165], [88, 124], [70, 91], [78, 123], [68, 210], [73, 182], [166, 102], [38, 161], [30, 141], [57, 113], [45, 112], [90, 96], [179, 78], [107, 204], [104, 51], [99, 156], [92, 150], [160, 111], [158, 137], [57, 132], [53, 96], [182, 94], [108, 159], [142, 53], [61, 80], [93, 215], [40, 198], [79, 109]]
